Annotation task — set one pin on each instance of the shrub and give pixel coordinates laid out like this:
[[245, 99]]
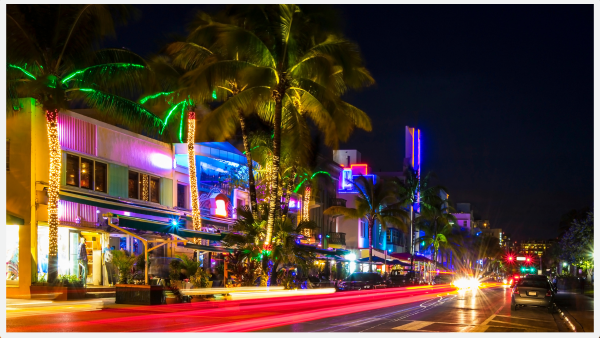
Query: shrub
[[124, 262]]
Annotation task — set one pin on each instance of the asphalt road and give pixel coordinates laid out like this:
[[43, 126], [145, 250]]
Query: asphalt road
[[438, 308], [485, 310]]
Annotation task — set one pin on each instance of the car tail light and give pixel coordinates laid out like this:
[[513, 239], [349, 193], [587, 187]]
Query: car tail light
[[510, 282], [516, 277], [517, 292], [549, 293]]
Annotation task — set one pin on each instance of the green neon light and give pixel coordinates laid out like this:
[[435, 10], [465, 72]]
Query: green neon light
[[181, 125], [149, 97], [23, 70], [214, 94], [70, 76], [320, 172], [299, 185], [169, 115], [251, 149], [86, 90]]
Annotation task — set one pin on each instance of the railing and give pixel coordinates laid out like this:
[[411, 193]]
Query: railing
[[337, 202], [337, 238]]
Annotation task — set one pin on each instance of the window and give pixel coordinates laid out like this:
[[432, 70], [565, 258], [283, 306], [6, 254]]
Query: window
[[181, 200], [86, 173], [100, 176], [144, 187], [465, 224], [134, 185], [154, 183], [72, 170]]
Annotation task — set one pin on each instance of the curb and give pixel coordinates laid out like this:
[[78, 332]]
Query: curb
[[567, 321]]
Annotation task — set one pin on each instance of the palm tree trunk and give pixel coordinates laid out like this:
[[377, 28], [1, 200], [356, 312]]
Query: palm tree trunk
[[273, 200], [412, 244], [196, 216], [371, 221], [53, 189], [251, 182]]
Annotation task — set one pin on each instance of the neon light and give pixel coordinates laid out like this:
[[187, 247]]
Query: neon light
[[153, 96], [214, 94], [181, 126], [70, 76], [299, 185], [169, 115], [220, 211], [346, 181], [320, 172], [23, 70], [361, 165]]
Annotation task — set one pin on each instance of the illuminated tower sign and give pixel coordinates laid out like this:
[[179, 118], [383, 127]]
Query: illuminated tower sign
[[413, 154]]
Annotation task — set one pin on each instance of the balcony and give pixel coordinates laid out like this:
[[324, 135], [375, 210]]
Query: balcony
[[338, 238], [337, 202]]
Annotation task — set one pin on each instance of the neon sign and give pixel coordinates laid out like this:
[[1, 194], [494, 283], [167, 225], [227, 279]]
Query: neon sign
[[220, 210], [364, 171], [346, 180]]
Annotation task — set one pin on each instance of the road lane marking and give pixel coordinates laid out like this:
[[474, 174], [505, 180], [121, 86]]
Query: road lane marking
[[417, 324]]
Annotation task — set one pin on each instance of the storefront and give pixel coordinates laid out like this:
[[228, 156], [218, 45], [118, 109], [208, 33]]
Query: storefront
[[68, 252], [12, 254]]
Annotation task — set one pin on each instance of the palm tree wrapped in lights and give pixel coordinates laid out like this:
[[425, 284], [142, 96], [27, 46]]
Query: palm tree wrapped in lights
[[51, 58]]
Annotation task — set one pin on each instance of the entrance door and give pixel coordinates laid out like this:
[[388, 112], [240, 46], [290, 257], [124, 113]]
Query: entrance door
[[74, 236]]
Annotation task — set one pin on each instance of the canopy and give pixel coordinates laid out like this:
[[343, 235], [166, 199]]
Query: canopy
[[164, 227], [207, 248], [330, 253], [375, 259], [115, 204], [14, 220]]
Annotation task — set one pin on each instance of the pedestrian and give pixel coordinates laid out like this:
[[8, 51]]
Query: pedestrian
[[83, 261], [108, 266]]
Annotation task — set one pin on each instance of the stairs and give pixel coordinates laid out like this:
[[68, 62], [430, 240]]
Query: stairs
[[100, 292]]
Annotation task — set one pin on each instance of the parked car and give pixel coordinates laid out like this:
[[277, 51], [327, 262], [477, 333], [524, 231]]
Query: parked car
[[532, 292], [361, 281], [543, 277]]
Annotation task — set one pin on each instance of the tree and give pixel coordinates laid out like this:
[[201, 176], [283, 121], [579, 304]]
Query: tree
[[51, 58], [376, 203], [437, 221], [577, 244], [293, 53]]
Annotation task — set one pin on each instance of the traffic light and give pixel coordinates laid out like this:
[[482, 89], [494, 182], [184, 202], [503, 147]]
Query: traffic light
[[528, 260], [510, 258]]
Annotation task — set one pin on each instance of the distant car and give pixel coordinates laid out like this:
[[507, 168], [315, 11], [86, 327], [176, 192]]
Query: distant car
[[532, 292], [442, 279], [362, 281], [513, 280]]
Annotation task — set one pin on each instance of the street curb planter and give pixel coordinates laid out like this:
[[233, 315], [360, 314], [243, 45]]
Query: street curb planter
[[139, 294], [57, 292]]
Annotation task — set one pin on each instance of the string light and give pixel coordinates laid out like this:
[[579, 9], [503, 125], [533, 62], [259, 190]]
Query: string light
[[150, 97], [305, 206], [23, 70], [54, 184], [145, 187], [105, 68], [196, 217]]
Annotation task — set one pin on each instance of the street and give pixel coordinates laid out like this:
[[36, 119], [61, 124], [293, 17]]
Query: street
[[438, 308]]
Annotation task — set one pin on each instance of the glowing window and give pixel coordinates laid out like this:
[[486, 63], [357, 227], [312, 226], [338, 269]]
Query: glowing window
[[220, 211]]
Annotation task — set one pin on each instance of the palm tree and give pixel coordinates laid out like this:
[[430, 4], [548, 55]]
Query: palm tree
[[435, 237], [291, 54], [51, 58], [376, 203], [171, 96], [436, 220]]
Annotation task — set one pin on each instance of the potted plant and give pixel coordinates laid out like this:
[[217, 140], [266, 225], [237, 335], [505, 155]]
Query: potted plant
[[173, 296], [124, 262]]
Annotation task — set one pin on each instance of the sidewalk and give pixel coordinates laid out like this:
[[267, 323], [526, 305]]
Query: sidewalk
[[579, 307]]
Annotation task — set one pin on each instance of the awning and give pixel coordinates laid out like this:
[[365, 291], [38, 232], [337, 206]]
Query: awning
[[164, 227], [336, 252], [207, 248], [115, 204], [14, 220]]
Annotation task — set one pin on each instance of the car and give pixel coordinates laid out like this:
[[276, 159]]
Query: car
[[543, 277], [400, 278], [513, 280], [532, 292], [442, 279], [361, 281]]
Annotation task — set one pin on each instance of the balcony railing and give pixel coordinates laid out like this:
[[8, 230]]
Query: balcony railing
[[337, 202], [337, 238]]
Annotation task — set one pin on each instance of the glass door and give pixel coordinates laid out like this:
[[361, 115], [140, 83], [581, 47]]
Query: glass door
[[74, 251]]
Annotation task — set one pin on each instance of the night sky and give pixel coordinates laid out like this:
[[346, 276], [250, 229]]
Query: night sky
[[503, 95]]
